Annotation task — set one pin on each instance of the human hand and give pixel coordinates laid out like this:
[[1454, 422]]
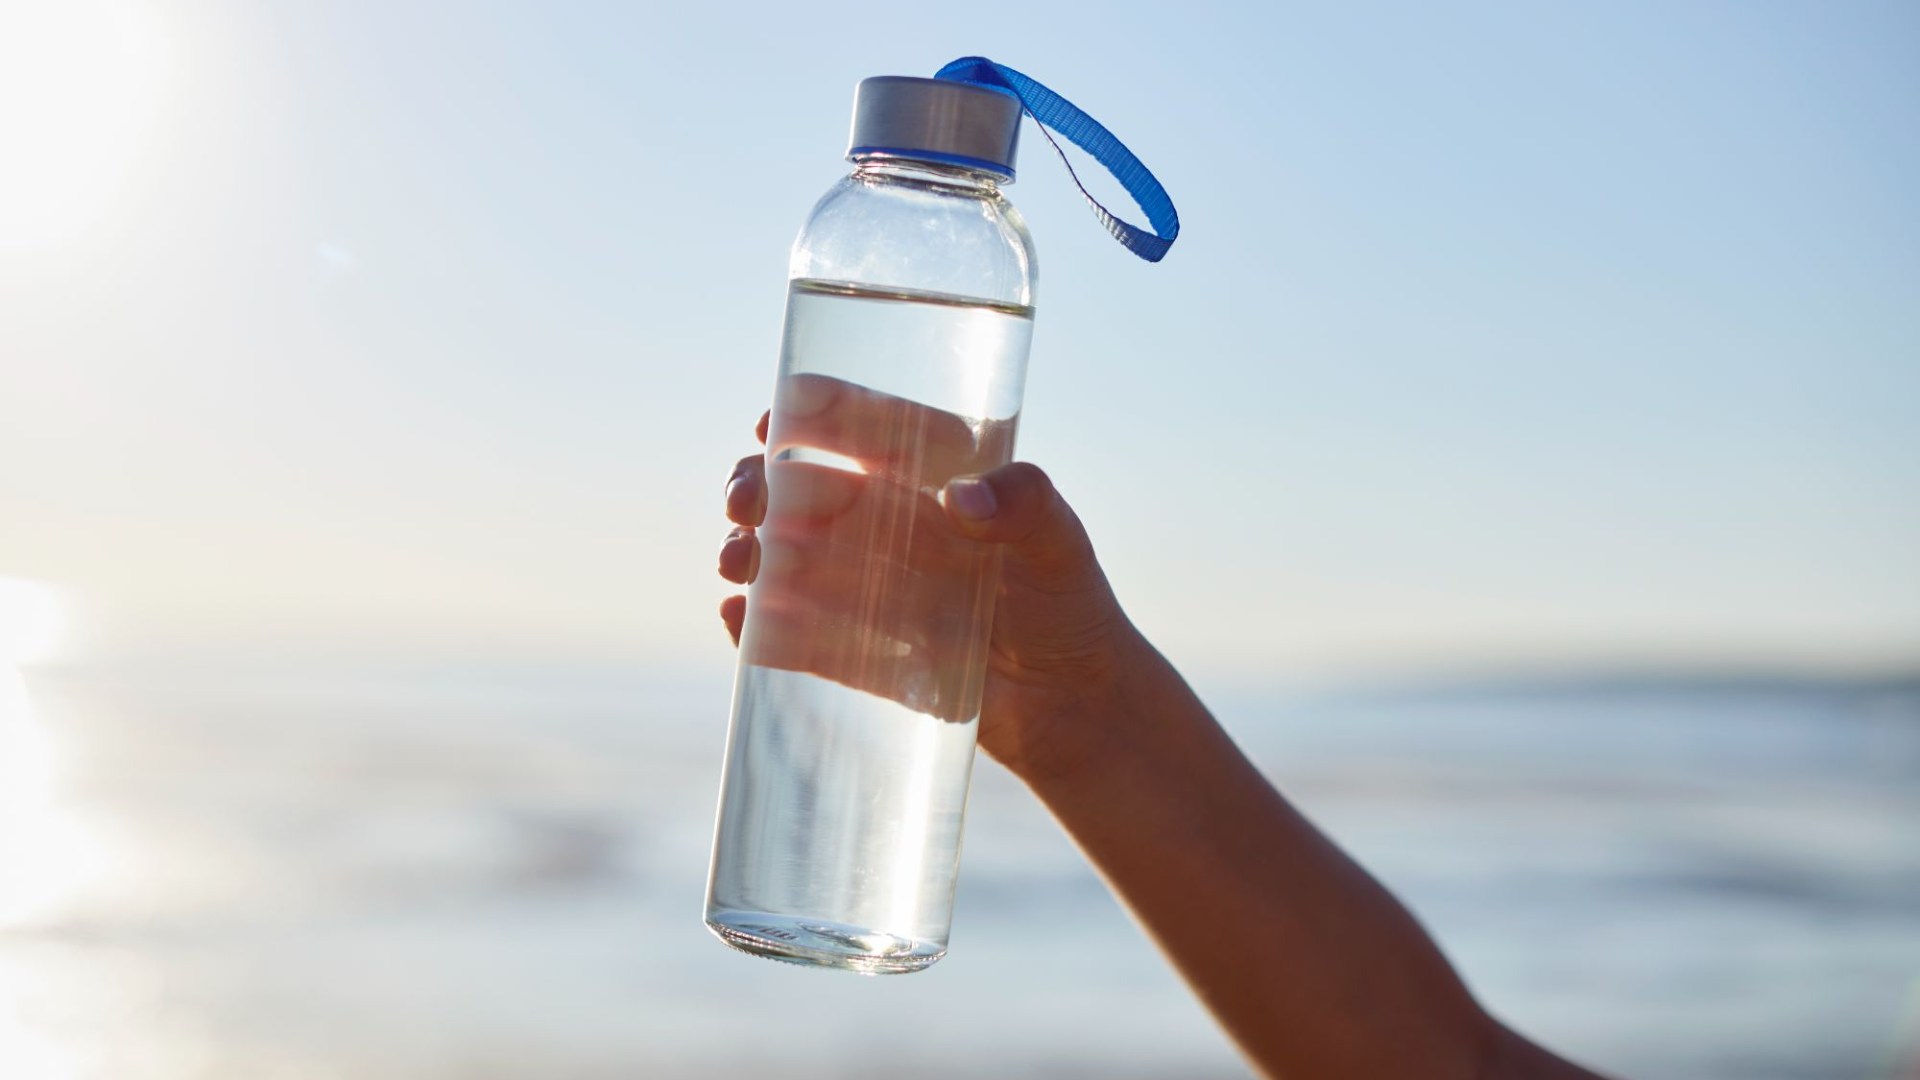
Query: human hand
[[875, 578]]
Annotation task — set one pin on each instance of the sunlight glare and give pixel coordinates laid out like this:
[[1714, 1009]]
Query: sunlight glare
[[79, 82], [24, 1051], [44, 853], [33, 620]]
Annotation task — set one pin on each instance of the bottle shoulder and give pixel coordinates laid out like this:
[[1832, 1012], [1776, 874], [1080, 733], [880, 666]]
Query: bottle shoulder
[[924, 236]]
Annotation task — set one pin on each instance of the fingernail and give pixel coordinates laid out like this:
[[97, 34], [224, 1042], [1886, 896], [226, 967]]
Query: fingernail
[[972, 499]]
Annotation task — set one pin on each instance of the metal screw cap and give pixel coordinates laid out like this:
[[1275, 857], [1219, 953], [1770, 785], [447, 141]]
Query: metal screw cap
[[936, 120]]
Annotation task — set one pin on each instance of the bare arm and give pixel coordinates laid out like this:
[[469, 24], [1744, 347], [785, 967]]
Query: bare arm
[[1312, 966]]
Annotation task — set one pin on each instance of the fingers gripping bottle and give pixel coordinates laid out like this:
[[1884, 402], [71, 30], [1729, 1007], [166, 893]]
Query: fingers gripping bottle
[[864, 650]]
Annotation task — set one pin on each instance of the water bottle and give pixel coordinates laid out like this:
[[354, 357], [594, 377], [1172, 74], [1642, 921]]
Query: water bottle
[[863, 654]]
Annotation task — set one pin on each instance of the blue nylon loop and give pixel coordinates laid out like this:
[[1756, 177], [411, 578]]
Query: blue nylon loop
[[1050, 110]]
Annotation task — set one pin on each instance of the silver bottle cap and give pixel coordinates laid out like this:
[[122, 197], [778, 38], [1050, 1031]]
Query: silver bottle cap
[[935, 120]]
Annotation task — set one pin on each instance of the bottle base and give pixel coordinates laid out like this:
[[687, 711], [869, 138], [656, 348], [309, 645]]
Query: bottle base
[[816, 943]]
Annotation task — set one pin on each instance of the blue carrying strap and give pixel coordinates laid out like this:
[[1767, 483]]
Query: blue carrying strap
[[1050, 110]]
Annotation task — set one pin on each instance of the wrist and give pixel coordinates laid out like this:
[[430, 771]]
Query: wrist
[[1106, 722]]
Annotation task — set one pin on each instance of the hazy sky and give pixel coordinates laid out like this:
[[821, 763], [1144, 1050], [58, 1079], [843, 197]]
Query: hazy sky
[[1498, 334]]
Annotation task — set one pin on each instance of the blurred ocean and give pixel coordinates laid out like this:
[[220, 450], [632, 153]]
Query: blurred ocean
[[464, 875]]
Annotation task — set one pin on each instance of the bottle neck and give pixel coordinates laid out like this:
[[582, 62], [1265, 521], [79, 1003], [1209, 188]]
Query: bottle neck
[[910, 171]]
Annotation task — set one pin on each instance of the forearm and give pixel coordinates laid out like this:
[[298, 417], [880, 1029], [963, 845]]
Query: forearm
[[1312, 967]]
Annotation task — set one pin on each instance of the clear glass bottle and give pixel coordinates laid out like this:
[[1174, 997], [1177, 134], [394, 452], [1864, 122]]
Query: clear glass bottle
[[863, 655]]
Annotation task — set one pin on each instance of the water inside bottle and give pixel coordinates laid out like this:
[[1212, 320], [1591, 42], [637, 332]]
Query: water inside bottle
[[862, 658]]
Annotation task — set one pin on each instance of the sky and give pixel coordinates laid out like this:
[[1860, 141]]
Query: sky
[[1499, 336]]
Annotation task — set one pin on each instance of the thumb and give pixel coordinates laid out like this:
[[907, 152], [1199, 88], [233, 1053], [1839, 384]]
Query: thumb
[[1016, 505]]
